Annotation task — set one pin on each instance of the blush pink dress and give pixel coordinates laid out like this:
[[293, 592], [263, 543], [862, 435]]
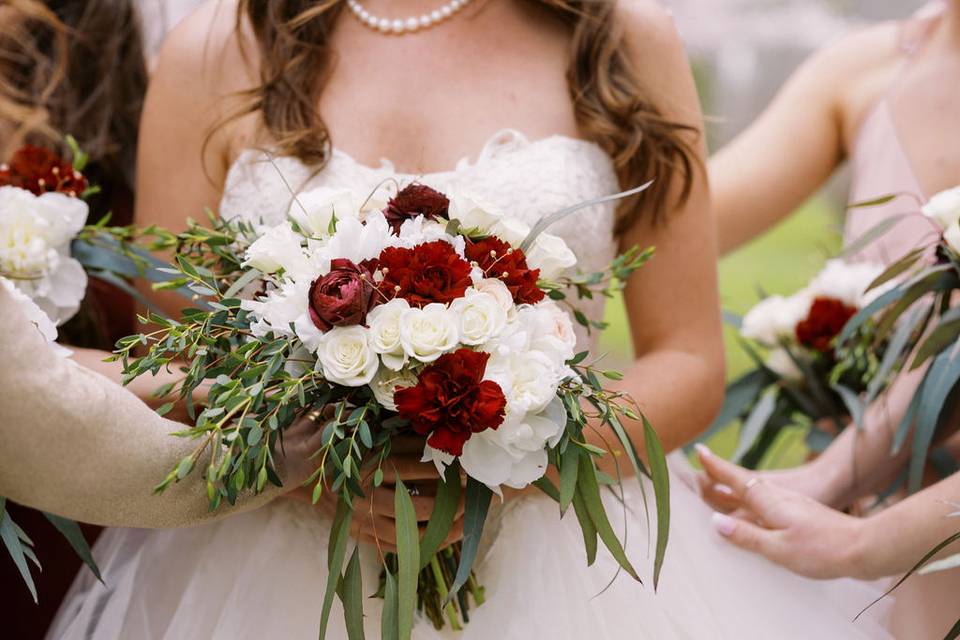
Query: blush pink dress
[[925, 606]]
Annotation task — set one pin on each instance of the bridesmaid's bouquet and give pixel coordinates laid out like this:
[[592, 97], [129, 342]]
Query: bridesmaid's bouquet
[[800, 379], [430, 315], [914, 310]]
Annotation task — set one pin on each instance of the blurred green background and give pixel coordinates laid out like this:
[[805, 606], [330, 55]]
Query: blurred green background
[[782, 261]]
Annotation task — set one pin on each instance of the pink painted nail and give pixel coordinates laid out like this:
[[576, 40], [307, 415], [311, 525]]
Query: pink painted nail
[[703, 450], [724, 489], [724, 524]]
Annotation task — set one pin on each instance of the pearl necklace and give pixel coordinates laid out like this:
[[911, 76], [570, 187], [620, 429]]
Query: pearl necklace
[[408, 25]]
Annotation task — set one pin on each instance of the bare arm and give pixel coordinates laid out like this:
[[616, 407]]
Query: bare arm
[[799, 140], [672, 302], [76, 444]]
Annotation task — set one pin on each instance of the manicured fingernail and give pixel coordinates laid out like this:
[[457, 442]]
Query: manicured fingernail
[[724, 489], [703, 450], [724, 524]]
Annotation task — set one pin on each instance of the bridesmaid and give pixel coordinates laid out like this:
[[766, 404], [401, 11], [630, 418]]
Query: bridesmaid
[[878, 99]]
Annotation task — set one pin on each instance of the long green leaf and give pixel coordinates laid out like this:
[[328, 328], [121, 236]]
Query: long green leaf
[[351, 593], [871, 234], [389, 624], [71, 531], [569, 463], [944, 335], [586, 528], [476, 505], [660, 475], [8, 533], [754, 424], [589, 489], [243, 281], [895, 349], [897, 268], [853, 403], [907, 421], [926, 558], [545, 485], [444, 511], [941, 379], [408, 559], [879, 303], [741, 393], [336, 551]]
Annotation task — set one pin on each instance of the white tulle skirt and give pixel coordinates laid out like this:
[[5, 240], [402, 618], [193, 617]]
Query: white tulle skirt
[[262, 575]]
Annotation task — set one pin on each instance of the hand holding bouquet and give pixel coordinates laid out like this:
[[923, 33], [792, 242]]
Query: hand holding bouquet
[[426, 315]]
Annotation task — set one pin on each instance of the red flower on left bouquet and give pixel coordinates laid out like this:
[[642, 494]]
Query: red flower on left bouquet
[[41, 171], [451, 401], [823, 323]]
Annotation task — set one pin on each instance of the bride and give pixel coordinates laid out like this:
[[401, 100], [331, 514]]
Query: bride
[[253, 100]]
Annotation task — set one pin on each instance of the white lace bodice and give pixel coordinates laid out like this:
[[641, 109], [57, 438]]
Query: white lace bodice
[[527, 179]]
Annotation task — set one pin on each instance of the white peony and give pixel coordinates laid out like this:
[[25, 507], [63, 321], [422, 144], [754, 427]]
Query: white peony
[[496, 288], [551, 331], [529, 379], [428, 333], [780, 362], [346, 357], [944, 207], [515, 454], [480, 315], [384, 322], [314, 210], [419, 230], [34, 314], [279, 309], [510, 230], [386, 383], [845, 281], [551, 255], [35, 236], [278, 248], [776, 317], [358, 241]]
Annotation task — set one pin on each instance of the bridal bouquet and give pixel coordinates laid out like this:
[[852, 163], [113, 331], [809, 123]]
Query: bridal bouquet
[[801, 379], [430, 315], [918, 317]]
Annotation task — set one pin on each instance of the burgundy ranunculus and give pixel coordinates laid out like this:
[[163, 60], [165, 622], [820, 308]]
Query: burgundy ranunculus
[[451, 401], [498, 259], [416, 200], [825, 321], [342, 297], [41, 171], [429, 272]]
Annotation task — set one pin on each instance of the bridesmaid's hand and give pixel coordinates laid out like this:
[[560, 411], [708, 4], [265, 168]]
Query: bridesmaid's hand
[[790, 529], [374, 519]]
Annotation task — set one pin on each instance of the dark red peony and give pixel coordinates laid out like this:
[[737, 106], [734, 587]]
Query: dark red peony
[[451, 401], [416, 200], [342, 297], [430, 272], [825, 321], [41, 171], [498, 259]]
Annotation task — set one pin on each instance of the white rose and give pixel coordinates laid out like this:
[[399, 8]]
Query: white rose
[[780, 362], [277, 248], [346, 356], [551, 331], [474, 213], [510, 230], [35, 236], [480, 316], [551, 255], [384, 322], [314, 210], [529, 379], [944, 207], [386, 383], [845, 281], [775, 317], [428, 333], [496, 288], [952, 236]]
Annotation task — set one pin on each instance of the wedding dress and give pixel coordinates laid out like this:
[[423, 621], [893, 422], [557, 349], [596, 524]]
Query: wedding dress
[[262, 574]]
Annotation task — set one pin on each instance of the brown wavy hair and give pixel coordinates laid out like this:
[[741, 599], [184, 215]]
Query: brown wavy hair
[[73, 67], [611, 105]]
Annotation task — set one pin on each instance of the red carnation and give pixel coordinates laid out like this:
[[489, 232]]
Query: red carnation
[[342, 297], [416, 200], [825, 321], [451, 401], [41, 171], [498, 259], [430, 272]]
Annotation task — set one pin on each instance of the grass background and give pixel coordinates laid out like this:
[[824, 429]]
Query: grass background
[[781, 261]]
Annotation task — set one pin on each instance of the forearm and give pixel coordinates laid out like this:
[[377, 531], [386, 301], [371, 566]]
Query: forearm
[[895, 539]]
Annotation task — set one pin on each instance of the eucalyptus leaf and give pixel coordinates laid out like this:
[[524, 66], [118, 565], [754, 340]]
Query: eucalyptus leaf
[[71, 531], [351, 593], [940, 381], [873, 233], [389, 624], [408, 559], [586, 528], [444, 511], [754, 424], [660, 476], [476, 505], [15, 547], [336, 551], [944, 335], [569, 463], [589, 490]]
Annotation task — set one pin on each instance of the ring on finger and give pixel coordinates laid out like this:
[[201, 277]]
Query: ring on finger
[[314, 415], [751, 483], [414, 490]]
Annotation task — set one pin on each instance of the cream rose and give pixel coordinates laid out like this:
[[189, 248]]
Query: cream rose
[[277, 248], [551, 255], [384, 322], [346, 357], [480, 315], [428, 333], [386, 383], [551, 331]]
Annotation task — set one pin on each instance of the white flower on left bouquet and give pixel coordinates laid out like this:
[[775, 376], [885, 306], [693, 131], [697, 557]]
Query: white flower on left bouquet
[[35, 236], [314, 210], [944, 208], [278, 247], [346, 356]]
